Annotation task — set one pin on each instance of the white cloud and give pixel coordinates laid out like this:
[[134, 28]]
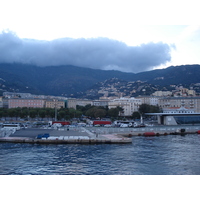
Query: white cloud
[[98, 53]]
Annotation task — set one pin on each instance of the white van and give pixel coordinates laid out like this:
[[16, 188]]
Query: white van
[[124, 125]]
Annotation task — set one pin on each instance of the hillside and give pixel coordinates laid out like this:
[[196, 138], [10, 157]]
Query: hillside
[[75, 81], [52, 80]]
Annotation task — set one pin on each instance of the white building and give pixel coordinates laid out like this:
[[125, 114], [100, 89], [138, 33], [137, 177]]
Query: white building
[[178, 110], [162, 93], [177, 116], [72, 103], [129, 105], [177, 102], [150, 100]]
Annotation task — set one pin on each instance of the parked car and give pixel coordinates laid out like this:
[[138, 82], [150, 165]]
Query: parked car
[[107, 125], [40, 136]]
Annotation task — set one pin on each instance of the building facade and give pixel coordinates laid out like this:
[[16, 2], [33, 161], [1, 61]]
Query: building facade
[[177, 102], [150, 100], [54, 104], [129, 105], [162, 93], [29, 103], [72, 103], [177, 116], [100, 102]]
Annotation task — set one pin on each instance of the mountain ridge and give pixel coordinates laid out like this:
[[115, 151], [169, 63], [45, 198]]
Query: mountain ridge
[[73, 81]]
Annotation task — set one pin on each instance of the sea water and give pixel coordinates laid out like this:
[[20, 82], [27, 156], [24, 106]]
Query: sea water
[[163, 155]]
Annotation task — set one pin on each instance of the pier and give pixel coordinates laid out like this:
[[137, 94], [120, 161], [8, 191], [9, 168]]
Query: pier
[[63, 136], [91, 135]]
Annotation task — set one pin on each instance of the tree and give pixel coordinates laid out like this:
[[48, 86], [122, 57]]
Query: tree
[[136, 115], [84, 109], [50, 112], [42, 113], [1, 113], [33, 113], [78, 114], [61, 114], [5, 113], [113, 112], [121, 110], [99, 113], [12, 112], [24, 113], [146, 108], [91, 112], [72, 113]]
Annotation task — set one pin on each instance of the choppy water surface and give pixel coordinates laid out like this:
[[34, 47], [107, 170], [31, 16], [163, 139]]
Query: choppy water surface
[[172, 154]]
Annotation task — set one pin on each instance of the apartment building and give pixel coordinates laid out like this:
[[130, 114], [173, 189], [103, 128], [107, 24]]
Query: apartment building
[[101, 102], [72, 103], [83, 102], [129, 105], [162, 93], [177, 102], [29, 103], [151, 100], [54, 104]]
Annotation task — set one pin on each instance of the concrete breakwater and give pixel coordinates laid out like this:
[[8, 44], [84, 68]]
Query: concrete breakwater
[[157, 130], [94, 135], [62, 136], [148, 134], [112, 139]]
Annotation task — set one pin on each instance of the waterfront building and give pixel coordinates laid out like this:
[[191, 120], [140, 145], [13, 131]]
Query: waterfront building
[[150, 100], [83, 102], [5, 102], [177, 116], [51, 103], [177, 102], [129, 105], [178, 110], [29, 103], [72, 103], [100, 102]]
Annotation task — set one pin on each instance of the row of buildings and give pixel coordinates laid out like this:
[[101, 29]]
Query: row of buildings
[[129, 105], [177, 92]]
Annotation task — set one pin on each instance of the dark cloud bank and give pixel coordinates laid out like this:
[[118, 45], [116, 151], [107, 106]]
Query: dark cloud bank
[[97, 53]]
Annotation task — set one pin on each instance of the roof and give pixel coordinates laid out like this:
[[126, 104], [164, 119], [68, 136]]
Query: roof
[[170, 114]]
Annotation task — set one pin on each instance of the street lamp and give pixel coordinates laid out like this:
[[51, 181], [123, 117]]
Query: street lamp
[[55, 105]]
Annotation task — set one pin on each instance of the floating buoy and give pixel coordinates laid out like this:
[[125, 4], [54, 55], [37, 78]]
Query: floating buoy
[[198, 131], [149, 134]]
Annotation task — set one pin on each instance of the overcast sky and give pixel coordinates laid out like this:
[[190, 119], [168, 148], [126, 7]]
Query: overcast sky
[[100, 34]]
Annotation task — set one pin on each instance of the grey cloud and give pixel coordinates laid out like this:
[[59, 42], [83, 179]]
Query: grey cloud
[[97, 53]]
